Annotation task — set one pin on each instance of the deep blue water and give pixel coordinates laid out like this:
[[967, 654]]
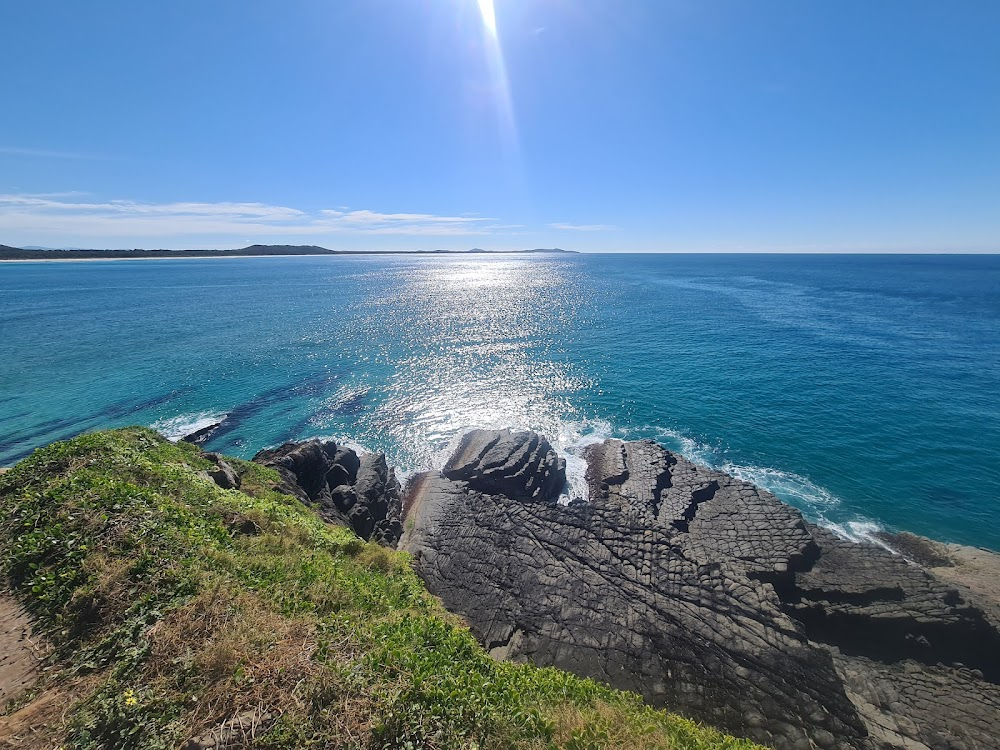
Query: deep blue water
[[863, 389]]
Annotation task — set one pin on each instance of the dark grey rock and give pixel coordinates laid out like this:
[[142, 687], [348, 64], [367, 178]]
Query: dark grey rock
[[360, 492], [922, 551], [704, 594], [338, 475], [344, 497], [520, 465], [223, 474], [349, 460], [201, 436], [303, 467]]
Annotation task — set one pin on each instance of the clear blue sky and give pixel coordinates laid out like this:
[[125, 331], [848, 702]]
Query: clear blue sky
[[605, 125]]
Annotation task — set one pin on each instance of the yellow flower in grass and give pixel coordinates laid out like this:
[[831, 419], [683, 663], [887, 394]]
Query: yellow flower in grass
[[130, 699]]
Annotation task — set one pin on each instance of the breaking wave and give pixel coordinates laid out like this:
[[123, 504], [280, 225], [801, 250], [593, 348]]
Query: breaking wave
[[174, 428]]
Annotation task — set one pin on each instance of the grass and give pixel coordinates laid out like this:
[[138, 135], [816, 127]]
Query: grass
[[167, 621]]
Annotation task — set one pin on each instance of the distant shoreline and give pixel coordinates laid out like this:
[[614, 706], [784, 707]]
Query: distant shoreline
[[262, 255], [20, 255]]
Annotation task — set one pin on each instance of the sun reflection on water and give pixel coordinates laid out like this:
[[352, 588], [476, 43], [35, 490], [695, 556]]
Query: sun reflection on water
[[479, 349]]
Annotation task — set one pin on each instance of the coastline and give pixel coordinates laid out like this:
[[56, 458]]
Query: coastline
[[751, 619], [225, 255]]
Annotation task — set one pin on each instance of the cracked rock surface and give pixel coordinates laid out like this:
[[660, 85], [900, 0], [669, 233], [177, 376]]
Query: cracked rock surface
[[360, 492], [706, 595]]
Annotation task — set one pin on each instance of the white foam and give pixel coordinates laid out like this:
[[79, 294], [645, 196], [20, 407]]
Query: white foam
[[570, 442], [691, 449], [812, 499], [859, 530], [788, 486], [175, 428]]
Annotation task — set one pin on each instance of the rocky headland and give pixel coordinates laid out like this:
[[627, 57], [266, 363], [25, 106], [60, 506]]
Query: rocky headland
[[702, 593], [159, 580], [157, 596]]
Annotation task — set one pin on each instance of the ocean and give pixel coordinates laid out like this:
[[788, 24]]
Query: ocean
[[865, 390]]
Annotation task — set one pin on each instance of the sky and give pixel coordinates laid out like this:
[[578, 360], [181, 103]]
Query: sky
[[590, 125]]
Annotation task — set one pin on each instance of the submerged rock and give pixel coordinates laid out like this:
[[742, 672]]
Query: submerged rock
[[201, 436], [706, 595], [360, 492]]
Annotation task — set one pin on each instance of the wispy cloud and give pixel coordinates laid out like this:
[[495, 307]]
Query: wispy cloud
[[375, 222], [45, 153], [584, 227], [120, 218]]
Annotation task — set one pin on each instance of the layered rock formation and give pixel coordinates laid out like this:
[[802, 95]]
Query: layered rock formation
[[706, 595], [519, 465], [360, 492]]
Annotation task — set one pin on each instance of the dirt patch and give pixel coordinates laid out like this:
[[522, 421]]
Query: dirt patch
[[31, 727], [19, 654]]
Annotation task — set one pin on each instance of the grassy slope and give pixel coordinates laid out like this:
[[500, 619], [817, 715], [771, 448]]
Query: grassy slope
[[167, 619]]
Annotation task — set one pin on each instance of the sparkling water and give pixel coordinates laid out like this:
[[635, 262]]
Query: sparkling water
[[865, 390]]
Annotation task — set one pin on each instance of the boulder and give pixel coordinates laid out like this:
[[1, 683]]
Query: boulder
[[519, 465], [360, 492], [223, 474], [303, 467]]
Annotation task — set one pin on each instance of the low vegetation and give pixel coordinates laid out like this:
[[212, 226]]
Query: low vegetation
[[176, 610]]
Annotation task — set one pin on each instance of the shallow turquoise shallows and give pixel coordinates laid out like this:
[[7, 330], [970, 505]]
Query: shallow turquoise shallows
[[863, 389]]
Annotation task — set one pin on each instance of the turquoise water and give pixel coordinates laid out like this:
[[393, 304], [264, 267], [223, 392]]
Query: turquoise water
[[863, 389]]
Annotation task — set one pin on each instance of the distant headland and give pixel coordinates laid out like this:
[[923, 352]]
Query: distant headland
[[37, 253]]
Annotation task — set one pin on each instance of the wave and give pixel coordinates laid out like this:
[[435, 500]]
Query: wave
[[174, 428], [570, 443]]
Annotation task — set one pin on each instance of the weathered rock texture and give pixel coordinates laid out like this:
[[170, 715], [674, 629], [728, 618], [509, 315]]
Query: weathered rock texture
[[223, 474], [520, 465], [360, 492], [707, 596]]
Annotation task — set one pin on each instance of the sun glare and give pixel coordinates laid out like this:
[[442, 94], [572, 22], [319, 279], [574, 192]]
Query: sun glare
[[489, 16], [500, 86]]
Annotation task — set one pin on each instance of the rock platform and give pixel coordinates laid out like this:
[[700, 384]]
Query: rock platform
[[707, 596]]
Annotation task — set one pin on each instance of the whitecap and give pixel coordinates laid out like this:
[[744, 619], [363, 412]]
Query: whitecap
[[571, 441], [787, 485], [175, 428]]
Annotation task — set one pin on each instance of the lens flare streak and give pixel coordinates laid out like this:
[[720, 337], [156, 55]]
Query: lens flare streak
[[499, 82]]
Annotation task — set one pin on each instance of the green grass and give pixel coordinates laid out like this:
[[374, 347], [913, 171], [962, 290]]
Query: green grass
[[166, 620]]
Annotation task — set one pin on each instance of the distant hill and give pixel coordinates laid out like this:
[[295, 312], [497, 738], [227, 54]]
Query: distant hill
[[17, 253], [279, 250]]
